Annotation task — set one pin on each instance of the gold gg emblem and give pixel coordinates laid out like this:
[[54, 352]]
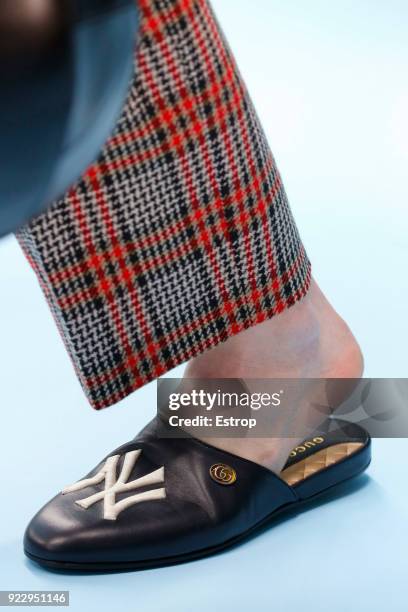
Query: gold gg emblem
[[223, 474]]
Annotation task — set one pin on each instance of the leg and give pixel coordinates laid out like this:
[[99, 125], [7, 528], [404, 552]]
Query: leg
[[178, 240], [180, 236]]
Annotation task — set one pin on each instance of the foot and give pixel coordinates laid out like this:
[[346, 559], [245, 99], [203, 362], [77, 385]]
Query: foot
[[309, 340], [158, 500]]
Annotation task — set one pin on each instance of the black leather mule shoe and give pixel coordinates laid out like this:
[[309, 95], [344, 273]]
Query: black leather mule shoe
[[156, 501]]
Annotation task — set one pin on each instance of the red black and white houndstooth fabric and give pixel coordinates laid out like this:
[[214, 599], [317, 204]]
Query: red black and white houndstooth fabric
[[180, 235]]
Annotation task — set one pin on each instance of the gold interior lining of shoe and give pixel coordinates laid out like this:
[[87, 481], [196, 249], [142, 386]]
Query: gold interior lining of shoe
[[318, 461]]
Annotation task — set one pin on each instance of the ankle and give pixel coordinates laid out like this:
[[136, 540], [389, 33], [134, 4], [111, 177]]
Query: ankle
[[309, 340]]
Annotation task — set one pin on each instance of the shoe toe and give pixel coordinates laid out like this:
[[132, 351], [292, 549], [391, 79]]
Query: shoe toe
[[55, 532], [63, 533], [154, 501]]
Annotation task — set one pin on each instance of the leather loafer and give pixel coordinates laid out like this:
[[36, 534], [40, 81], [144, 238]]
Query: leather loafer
[[156, 501]]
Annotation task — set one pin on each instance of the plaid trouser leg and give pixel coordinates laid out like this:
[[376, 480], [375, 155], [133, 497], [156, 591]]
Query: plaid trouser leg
[[179, 235]]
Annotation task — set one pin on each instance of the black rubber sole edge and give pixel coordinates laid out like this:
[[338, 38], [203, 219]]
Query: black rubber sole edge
[[205, 552]]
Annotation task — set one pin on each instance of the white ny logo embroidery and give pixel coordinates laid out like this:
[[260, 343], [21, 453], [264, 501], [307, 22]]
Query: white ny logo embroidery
[[113, 485]]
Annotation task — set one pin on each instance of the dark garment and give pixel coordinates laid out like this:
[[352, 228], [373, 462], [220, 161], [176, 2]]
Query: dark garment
[[180, 235]]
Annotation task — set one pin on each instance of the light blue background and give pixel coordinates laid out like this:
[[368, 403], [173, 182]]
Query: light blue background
[[330, 82]]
